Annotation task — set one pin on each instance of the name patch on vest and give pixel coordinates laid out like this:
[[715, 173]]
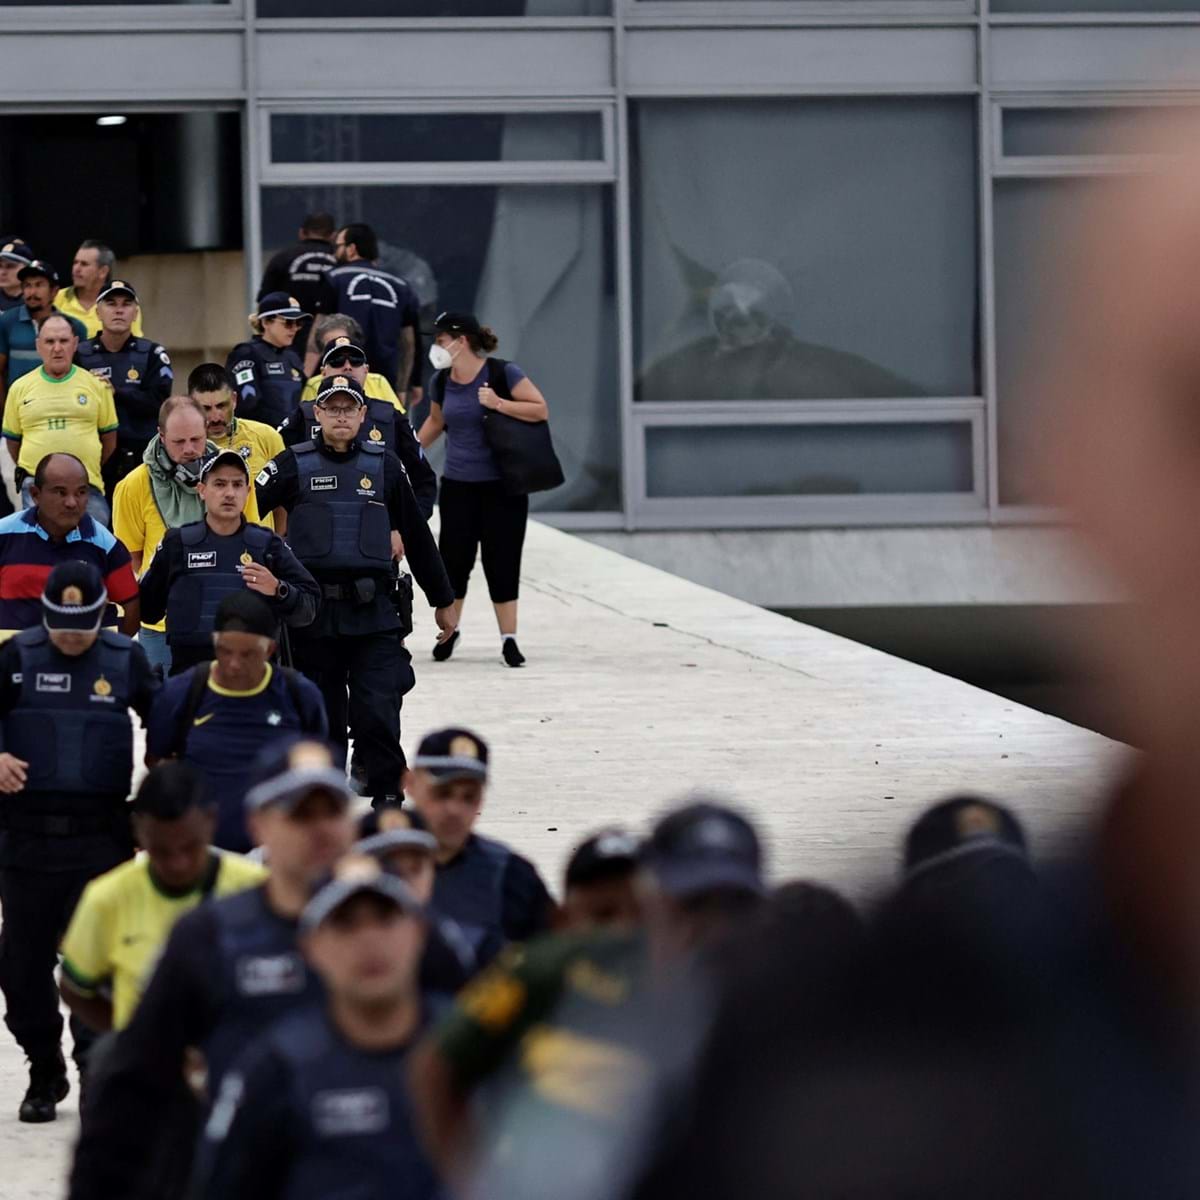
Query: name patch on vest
[[201, 558], [276, 368], [52, 682], [323, 483], [350, 1111], [270, 975]]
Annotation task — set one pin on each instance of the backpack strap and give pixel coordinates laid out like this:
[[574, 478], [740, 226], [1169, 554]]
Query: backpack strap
[[438, 386], [498, 377], [291, 680], [191, 705]]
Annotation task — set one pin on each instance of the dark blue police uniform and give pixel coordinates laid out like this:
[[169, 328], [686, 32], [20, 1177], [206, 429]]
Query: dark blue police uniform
[[383, 304], [268, 380], [68, 717], [141, 378]]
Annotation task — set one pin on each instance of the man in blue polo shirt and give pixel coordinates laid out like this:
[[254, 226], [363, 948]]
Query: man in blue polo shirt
[[58, 529], [19, 326]]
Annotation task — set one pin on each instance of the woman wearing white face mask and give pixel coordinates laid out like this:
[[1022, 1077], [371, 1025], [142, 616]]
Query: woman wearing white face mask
[[477, 513]]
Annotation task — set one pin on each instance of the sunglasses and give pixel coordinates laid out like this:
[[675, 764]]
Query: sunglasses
[[289, 322], [347, 358]]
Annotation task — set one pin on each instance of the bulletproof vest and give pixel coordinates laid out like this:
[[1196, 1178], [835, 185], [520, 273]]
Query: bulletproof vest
[[282, 381], [379, 427], [261, 977], [352, 1117], [127, 370], [340, 521], [470, 893], [71, 721], [209, 572]]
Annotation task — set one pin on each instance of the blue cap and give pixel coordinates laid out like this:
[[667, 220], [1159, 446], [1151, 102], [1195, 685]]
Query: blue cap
[[74, 597], [356, 875], [704, 847], [288, 770], [279, 304], [16, 251]]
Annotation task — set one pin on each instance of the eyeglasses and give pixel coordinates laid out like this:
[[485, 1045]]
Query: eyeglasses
[[340, 410], [346, 358], [289, 322]]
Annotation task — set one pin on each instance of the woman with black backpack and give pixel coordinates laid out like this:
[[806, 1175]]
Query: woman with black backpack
[[488, 409]]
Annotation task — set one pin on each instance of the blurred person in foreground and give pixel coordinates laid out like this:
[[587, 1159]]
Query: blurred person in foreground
[[548, 1075]]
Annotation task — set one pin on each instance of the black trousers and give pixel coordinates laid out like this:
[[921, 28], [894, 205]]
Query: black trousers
[[37, 909], [483, 517], [125, 458], [359, 677]]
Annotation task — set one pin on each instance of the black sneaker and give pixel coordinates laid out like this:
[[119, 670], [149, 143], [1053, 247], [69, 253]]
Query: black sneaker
[[48, 1086], [512, 655], [443, 650]]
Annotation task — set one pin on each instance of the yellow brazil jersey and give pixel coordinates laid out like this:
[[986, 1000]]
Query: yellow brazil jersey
[[376, 387], [66, 302], [121, 925], [258, 443], [65, 415], [139, 525]]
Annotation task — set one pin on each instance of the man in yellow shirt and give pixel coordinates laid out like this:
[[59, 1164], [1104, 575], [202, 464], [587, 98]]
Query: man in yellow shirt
[[124, 916], [161, 494], [326, 330], [211, 388], [90, 272], [61, 409]]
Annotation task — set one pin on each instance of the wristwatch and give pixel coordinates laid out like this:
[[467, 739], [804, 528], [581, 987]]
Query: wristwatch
[[282, 591]]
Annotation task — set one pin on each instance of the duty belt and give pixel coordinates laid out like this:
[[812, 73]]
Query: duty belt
[[61, 825]]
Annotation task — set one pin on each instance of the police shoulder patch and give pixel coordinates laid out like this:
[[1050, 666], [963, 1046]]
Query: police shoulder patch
[[262, 478]]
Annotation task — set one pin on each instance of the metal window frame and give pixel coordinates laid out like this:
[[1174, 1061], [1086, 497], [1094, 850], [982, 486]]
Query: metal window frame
[[366, 174], [721, 13], [133, 18]]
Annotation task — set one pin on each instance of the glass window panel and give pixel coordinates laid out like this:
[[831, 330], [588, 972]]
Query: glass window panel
[[1094, 6], [808, 460], [435, 8], [1038, 235], [536, 264], [1035, 132], [105, 3], [804, 249], [436, 137]]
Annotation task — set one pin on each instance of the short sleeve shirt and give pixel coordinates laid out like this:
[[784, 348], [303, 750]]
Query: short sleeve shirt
[[469, 459], [65, 416]]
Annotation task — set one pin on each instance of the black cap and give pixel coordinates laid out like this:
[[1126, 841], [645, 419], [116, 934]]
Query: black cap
[[343, 345], [609, 854], [289, 769], [357, 875], [223, 458], [118, 287], [449, 754], [38, 266], [246, 612], [387, 817], [962, 825], [456, 323], [74, 597], [380, 845], [16, 251], [279, 304], [341, 385], [704, 847]]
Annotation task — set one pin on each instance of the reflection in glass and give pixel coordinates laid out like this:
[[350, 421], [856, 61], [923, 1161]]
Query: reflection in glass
[[808, 460], [804, 249], [435, 137], [535, 263], [1088, 131]]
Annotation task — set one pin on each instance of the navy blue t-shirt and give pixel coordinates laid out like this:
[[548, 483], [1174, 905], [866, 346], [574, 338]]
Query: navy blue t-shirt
[[226, 733], [469, 459]]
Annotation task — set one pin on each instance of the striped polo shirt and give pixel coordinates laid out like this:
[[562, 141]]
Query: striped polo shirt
[[27, 556]]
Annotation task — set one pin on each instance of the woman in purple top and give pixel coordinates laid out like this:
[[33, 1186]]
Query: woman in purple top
[[477, 513]]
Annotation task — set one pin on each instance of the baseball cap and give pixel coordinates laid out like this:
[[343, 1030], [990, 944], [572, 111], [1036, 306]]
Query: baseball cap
[[223, 458], [704, 847], [344, 346], [280, 304], [74, 597], [357, 875], [288, 770], [962, 825], [379, 845], [118, 287], [449, 754], [456, 322], [38, 266], [339, 385], [245, 612], [16, 251], [609, 853]]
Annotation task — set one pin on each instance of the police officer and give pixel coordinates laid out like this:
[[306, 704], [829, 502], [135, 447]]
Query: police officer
[[66, 764], [266, 370], [199, 564], [349, 506], [138, 371], [493, 894], [385, 424], [230, 970], [14, 255], [319, 1106], [298, 269]]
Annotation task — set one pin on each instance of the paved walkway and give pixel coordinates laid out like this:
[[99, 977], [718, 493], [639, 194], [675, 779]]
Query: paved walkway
[[641, 686]]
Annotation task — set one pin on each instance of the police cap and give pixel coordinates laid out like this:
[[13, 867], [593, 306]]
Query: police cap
[[223, 458], [357, 875], [38, 267], [449, 754], [339, 385], [610, 854], [74, 597], [704, 847], [962, 825], [288, 770], [16, 251], [118, 287], [280, 304]]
